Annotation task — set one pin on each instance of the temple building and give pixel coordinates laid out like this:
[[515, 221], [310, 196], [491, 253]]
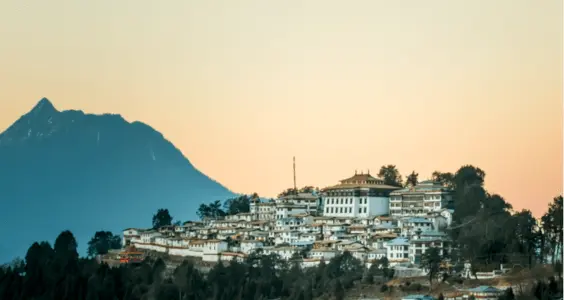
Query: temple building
[[425, 198], [358, 196]]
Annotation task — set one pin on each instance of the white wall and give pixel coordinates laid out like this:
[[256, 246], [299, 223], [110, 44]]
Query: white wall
[[378, 206]]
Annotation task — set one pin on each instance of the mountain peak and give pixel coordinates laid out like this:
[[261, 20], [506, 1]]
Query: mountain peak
[[44, 105]]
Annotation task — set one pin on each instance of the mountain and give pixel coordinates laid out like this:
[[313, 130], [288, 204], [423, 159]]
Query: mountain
[[70, 170]]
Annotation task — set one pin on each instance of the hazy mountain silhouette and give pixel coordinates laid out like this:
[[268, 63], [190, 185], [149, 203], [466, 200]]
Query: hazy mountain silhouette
[[83, 172]]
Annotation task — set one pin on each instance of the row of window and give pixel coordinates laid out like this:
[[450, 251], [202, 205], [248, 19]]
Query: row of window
[[346, 201], [415, 197], [398, 248], [398, 255], [331, 210]]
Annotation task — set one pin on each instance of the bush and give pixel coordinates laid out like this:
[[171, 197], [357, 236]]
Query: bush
[[383, 288], [458, 280], [413, 287]]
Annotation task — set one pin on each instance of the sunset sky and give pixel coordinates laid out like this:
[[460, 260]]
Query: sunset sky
[[242, 86]]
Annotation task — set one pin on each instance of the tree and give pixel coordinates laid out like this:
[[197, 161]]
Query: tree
[[390, 175], [367, 277], [215, 208], [445, 179], [431, 260], [66, 245], [526, 234], [162, 218], [203, 211], [240, 204], [339, 291], [411, 179], [552, 227], [508, 294], [287, 192], [102, 242], [307, 189]]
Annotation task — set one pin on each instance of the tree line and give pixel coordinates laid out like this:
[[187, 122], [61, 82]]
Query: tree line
[[59, 273]]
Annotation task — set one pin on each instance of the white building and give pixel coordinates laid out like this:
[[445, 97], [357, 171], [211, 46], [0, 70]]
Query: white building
[[309, 200], [287, 209], [426, 197], [249, 246], [264, 211], [410, 226], [359, 196], [240, 217], [323, 253], [398, 250], [129, 234], [429, 239]]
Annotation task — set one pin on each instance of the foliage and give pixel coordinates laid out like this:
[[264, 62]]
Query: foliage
[[431, 261], [412, 179], [58, 273], [445, 179], [390, 175], [291, 191], [102, 241], [240, 204], [212, 210], [162, 218], [551, 223]]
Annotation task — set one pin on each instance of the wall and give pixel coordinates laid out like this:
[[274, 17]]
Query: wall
[[378, 206]]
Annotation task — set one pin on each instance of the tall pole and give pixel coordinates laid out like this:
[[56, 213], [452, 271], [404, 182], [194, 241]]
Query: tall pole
[[295, 187]]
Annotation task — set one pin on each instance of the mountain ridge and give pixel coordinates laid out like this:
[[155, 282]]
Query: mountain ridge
[[74, 165]]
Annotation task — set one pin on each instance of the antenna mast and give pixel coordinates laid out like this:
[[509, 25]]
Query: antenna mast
[[295, 187]]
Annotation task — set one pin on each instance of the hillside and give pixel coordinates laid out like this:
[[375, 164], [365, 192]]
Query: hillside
[[70, 170]]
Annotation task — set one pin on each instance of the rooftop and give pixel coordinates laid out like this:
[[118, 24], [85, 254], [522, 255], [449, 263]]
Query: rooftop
[[362, 181], [399, 241], [484, 289], [423, 187]]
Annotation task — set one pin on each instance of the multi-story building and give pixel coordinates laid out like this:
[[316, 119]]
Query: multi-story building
[[425, 240], [358, 196], [309, 200], [287, 209], [397, 250], [420, 200], [410, 226], [262, 210]]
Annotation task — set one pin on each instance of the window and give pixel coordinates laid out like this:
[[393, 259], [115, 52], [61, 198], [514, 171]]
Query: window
[[360, 210], [341, 210]]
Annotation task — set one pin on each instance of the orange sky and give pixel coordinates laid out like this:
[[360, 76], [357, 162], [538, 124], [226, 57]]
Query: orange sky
[[242, 86]]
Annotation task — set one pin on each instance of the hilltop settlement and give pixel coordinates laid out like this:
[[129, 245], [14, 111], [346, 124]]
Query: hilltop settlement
[[406, 228], [361, 214], [366, 237]]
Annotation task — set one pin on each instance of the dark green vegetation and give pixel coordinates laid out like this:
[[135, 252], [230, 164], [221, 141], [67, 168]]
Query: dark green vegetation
[[59, 273], [231, 206], [102, 242], [487, 232]]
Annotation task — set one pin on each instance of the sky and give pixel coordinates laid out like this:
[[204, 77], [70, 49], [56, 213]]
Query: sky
[[240, 87]]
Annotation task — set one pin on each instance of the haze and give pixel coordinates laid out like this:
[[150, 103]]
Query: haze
[[242, 86]]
